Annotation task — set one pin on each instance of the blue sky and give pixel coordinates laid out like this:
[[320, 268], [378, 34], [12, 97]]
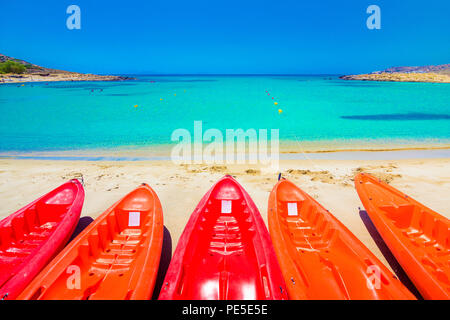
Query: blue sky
[[226, 36]]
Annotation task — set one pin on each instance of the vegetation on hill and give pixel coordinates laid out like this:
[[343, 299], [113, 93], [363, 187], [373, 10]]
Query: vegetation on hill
[[14, 70], [12, 67]]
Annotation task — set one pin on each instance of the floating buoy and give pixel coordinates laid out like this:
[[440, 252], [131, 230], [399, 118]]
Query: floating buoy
[[136, 106], [161, 99], [280, 111], [275, 103], [273, 98], [175, 94]]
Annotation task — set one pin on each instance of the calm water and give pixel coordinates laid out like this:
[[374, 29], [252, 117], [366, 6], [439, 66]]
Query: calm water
[[84, 115]]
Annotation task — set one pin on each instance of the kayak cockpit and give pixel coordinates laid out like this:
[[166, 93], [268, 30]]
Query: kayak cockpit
[[224, 263]]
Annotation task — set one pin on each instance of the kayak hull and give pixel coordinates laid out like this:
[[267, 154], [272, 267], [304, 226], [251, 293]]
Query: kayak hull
[[116, 257], [32, 236], [418, 237], [225, 252], [320, 258]]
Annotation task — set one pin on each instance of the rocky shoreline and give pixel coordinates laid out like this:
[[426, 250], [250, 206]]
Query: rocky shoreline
[[35, 73], [24, 78], [432, 73], [400, 77]]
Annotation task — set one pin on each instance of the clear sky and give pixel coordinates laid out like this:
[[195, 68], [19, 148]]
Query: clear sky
[[226, 36]]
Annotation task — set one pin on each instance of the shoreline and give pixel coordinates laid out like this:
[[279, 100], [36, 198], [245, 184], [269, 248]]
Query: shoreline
[[357, 155], [427, 77], [287, 150], [58, 77]]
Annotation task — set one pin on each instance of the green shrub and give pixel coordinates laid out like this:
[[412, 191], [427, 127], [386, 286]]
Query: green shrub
[[12, 67]]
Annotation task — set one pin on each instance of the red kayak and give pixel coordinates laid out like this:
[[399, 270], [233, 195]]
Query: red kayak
[[32, 236], [225, 251]]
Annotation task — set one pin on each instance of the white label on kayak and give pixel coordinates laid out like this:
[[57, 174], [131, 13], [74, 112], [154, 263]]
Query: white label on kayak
[[292, 209], [226, 206], [134, 219]]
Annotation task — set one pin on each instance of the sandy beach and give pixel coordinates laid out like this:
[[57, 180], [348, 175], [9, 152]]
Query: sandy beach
[[180, 187], [56, 77]]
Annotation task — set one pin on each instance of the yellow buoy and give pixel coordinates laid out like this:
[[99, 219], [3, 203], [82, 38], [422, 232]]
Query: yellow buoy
[[275, 103], [280, 111], [175, 94], [23, 85], [161, 99], [136, 106]]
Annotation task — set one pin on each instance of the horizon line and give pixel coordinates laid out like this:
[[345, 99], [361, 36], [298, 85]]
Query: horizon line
[[225, 74]]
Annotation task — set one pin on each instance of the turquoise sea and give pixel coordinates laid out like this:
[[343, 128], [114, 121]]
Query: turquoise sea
[[58, 116]]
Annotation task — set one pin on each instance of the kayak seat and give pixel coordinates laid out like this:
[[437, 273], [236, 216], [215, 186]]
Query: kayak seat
[[19, 240], [229, 228], [307, 228], [104, 256], [25, 228], [426, 233], [227, 236], [401, 216]]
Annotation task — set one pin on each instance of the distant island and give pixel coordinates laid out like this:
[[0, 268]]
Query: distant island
[[18, 71], [435, 74]]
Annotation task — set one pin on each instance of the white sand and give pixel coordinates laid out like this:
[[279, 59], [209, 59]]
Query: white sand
[[180, 188]]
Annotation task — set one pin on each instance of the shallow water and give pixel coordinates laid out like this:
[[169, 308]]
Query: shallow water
[[85, 115]]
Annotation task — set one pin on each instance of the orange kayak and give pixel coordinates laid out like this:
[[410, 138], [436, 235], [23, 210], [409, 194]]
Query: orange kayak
[[319, 257], [115, 257], [418, 237]]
